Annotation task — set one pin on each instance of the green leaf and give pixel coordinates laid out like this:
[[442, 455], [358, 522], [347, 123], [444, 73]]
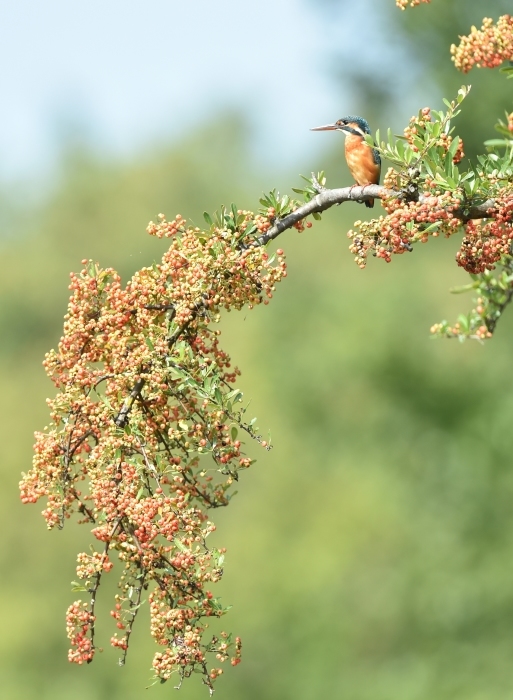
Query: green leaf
[[208, 218], [177, 372], [463, 92], [408, 155], [462, 289], [77, 587], [431, 227], [180, 545], [453, 147], [236, 394], [490, 143], [369, 139], [464, 323], [250, 230], [429, 166]]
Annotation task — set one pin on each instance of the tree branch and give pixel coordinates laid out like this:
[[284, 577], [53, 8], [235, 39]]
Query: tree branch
[[122, 417], [325, 199]]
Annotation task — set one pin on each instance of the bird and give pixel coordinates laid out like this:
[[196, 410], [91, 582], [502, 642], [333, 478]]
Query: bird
[[363, 161]]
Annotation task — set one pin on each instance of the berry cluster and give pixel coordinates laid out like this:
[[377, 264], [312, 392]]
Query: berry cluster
[[403, 4], [461, 328], [486, 241], [406, 222], [417, 126], [79, 623], [144, 435], [487, 47], [416, 132]]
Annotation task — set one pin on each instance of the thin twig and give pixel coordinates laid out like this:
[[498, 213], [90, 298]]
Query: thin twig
[[151, 467], [132, 610], [96, 585]]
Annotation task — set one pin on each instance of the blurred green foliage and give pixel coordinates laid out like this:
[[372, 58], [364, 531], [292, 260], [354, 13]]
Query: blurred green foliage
[[370, 553]]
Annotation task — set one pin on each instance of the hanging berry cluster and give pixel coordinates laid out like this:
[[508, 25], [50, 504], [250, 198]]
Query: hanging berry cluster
[[145, 436], [486, 241], [487, 47], [494, 294], [403, 4], [405, 223]]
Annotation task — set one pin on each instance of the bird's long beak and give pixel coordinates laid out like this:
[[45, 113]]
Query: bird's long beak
[[326, 127]]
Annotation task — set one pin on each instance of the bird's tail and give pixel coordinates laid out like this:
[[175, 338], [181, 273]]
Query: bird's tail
[[369, 203]]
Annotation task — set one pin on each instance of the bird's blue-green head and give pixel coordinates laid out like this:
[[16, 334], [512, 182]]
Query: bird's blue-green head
[[350, 125]]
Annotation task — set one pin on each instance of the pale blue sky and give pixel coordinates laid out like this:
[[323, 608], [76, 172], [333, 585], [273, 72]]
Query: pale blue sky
[[129, 72]]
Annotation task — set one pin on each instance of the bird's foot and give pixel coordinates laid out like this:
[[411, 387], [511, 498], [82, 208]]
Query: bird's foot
[[360, 201]]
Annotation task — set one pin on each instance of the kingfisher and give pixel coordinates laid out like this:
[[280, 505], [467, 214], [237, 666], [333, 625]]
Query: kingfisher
[[363, 161]]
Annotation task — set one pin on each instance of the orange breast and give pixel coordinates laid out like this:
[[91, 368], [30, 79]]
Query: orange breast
[[360, 161]]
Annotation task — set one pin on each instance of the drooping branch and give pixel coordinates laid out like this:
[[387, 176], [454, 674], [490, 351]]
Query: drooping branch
[[323, 200]]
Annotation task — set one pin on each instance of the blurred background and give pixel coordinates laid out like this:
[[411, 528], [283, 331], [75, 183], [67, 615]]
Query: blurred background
[[370, 553]]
